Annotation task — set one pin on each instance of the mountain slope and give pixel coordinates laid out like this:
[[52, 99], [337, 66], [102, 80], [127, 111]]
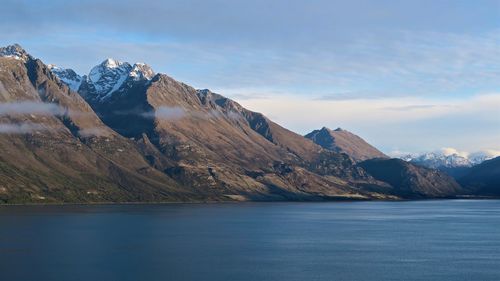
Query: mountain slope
[[68, 76], [483, 179], [210, 142], [411, 181], [55, 149], [343, 141], [205, 140]]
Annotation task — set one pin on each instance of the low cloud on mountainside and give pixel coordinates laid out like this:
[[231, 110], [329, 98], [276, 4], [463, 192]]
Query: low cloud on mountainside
[[172, 113], [21, 128], [30, 107], [93, 132], [26, 107]]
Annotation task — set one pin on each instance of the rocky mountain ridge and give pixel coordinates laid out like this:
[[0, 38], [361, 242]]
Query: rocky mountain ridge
[[343, 141], [142, 136], [438, 159]]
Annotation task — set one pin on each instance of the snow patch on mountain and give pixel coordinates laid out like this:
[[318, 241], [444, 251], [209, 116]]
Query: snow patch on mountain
[[68, 76], [109, 76], [142, 71], [14, 51]]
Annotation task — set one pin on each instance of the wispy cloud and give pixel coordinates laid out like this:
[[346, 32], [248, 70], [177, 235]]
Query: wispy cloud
[[166, 113], [392, 63], [170, 113], [29, 107], [413, 107], [20, 128], [173, 113], [447, 151], [93, 132], [350, 51]]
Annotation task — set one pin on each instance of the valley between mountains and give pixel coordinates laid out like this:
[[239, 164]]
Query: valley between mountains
[[124, 133]]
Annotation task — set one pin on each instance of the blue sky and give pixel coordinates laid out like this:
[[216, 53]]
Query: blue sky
[[408, 76]]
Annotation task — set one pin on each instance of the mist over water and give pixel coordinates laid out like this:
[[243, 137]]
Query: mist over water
[[416, 240]]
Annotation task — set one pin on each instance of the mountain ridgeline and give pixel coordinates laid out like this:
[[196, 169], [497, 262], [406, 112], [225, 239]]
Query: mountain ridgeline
[[483, 178], [343, 141], [124, 133]]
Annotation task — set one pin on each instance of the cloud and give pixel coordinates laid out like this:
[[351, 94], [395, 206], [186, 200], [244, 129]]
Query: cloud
[[381, 70], [236, 116], [411, 107], [93, 132], [398, 153], [488, 154], [177, 112], [29, 107], [20, 128], [383, 50], [247, 96], [447, 151], [166, 113], [170, 113], [345, 96]]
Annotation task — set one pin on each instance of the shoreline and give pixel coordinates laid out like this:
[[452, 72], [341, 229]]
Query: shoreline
[[337, 200]]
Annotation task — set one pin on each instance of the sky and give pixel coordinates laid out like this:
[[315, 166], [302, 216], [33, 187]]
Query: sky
[[407, 76]]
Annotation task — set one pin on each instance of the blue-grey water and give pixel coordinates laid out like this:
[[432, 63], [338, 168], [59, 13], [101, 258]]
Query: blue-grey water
[[416, 240]]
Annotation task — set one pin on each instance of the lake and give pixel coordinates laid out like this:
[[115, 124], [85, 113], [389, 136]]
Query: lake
[[414, 240]]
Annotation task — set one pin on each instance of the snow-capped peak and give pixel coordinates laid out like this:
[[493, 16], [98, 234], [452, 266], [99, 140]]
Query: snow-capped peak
[[14, 51], [112, 63], [68, 76], [106, 74], [141, 71], [109, 76], [448, 158]]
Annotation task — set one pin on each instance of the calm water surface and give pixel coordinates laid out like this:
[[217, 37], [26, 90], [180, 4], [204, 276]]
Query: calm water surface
[[419, 240]]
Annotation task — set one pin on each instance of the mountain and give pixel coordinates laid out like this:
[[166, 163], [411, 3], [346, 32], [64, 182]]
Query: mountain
[[411, 181], [203, 139], [15, 52], [110, 76], [343, 141], [483, 178], [68, 76], [454, 164], [56, 149], [130, 134]]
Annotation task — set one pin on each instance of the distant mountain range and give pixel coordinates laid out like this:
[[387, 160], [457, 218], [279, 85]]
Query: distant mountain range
[[124, 133], [483, 178], [454, 164], [438, 159]]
